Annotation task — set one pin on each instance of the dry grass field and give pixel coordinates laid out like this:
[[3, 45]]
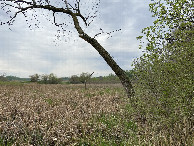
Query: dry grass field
[[34, 114], [37, 114]]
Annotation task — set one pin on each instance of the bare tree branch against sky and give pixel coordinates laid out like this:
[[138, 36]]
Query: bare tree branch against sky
[[26, 51]]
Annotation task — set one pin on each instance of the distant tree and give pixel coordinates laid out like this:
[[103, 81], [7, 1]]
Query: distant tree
[[44, 78], [72, 9], [83, 77], [111, 77], [3, 77], [12, 78], [34, 78], [52, 79], [74, 79], [49, 79]]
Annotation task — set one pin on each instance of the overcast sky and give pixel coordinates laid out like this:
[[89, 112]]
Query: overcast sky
[[25, 51]]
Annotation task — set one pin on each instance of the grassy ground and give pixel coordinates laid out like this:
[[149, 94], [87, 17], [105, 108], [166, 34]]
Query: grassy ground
[[34, 114]]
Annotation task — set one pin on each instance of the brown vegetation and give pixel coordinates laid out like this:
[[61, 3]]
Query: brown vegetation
[[38, 114], [51, 114]]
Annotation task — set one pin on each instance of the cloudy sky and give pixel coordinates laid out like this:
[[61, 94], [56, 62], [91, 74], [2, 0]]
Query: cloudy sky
[[25, 51]]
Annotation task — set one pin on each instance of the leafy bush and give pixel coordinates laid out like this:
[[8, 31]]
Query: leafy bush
[[52, 79], [164, 75], [82, 78], [34, 78], [46, 79], [74, 79]]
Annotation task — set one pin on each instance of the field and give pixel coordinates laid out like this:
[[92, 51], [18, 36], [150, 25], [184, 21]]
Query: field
[[34, 114]]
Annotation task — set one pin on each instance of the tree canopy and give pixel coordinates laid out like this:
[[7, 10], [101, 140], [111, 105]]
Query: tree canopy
[[170, 15]]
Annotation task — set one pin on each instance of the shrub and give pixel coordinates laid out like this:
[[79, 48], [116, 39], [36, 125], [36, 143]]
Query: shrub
[[164, 87], [74, 79], [34, 78], [46, 79]]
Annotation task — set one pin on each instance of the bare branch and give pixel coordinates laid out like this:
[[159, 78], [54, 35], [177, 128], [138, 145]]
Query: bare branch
[[34, 2], [33, 5], [78, 6], [12, 18], [19, 1], [58, 25], [72, 7], [109, 33], [66, 4]]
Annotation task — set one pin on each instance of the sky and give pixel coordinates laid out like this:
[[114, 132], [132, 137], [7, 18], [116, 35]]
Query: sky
[[25, 51]]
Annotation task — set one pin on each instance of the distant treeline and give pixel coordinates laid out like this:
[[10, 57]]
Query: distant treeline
[[12, 78], [110, 79], [74, 79]]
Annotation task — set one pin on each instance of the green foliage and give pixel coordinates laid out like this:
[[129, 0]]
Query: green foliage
[[74, 79], [83, 77], [170, 15], [4, 141], [34, 78], [130, 73], [110, 79], [52, 79], [112, 130], [10, 80], [45, 78], [5, 78], [14, 78], [164, 75]]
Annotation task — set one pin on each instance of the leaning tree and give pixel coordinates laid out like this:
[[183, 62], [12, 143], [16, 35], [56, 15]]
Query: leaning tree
[[75, 11]]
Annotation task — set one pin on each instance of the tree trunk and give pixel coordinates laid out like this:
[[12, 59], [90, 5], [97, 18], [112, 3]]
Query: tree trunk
[[85, 82], [109, 60], [114, 66]]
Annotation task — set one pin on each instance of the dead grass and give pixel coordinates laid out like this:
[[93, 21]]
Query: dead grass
[[52, 114], [34, 114]]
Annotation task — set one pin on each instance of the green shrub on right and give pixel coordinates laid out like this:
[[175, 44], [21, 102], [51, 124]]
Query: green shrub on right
[[164, 75]]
